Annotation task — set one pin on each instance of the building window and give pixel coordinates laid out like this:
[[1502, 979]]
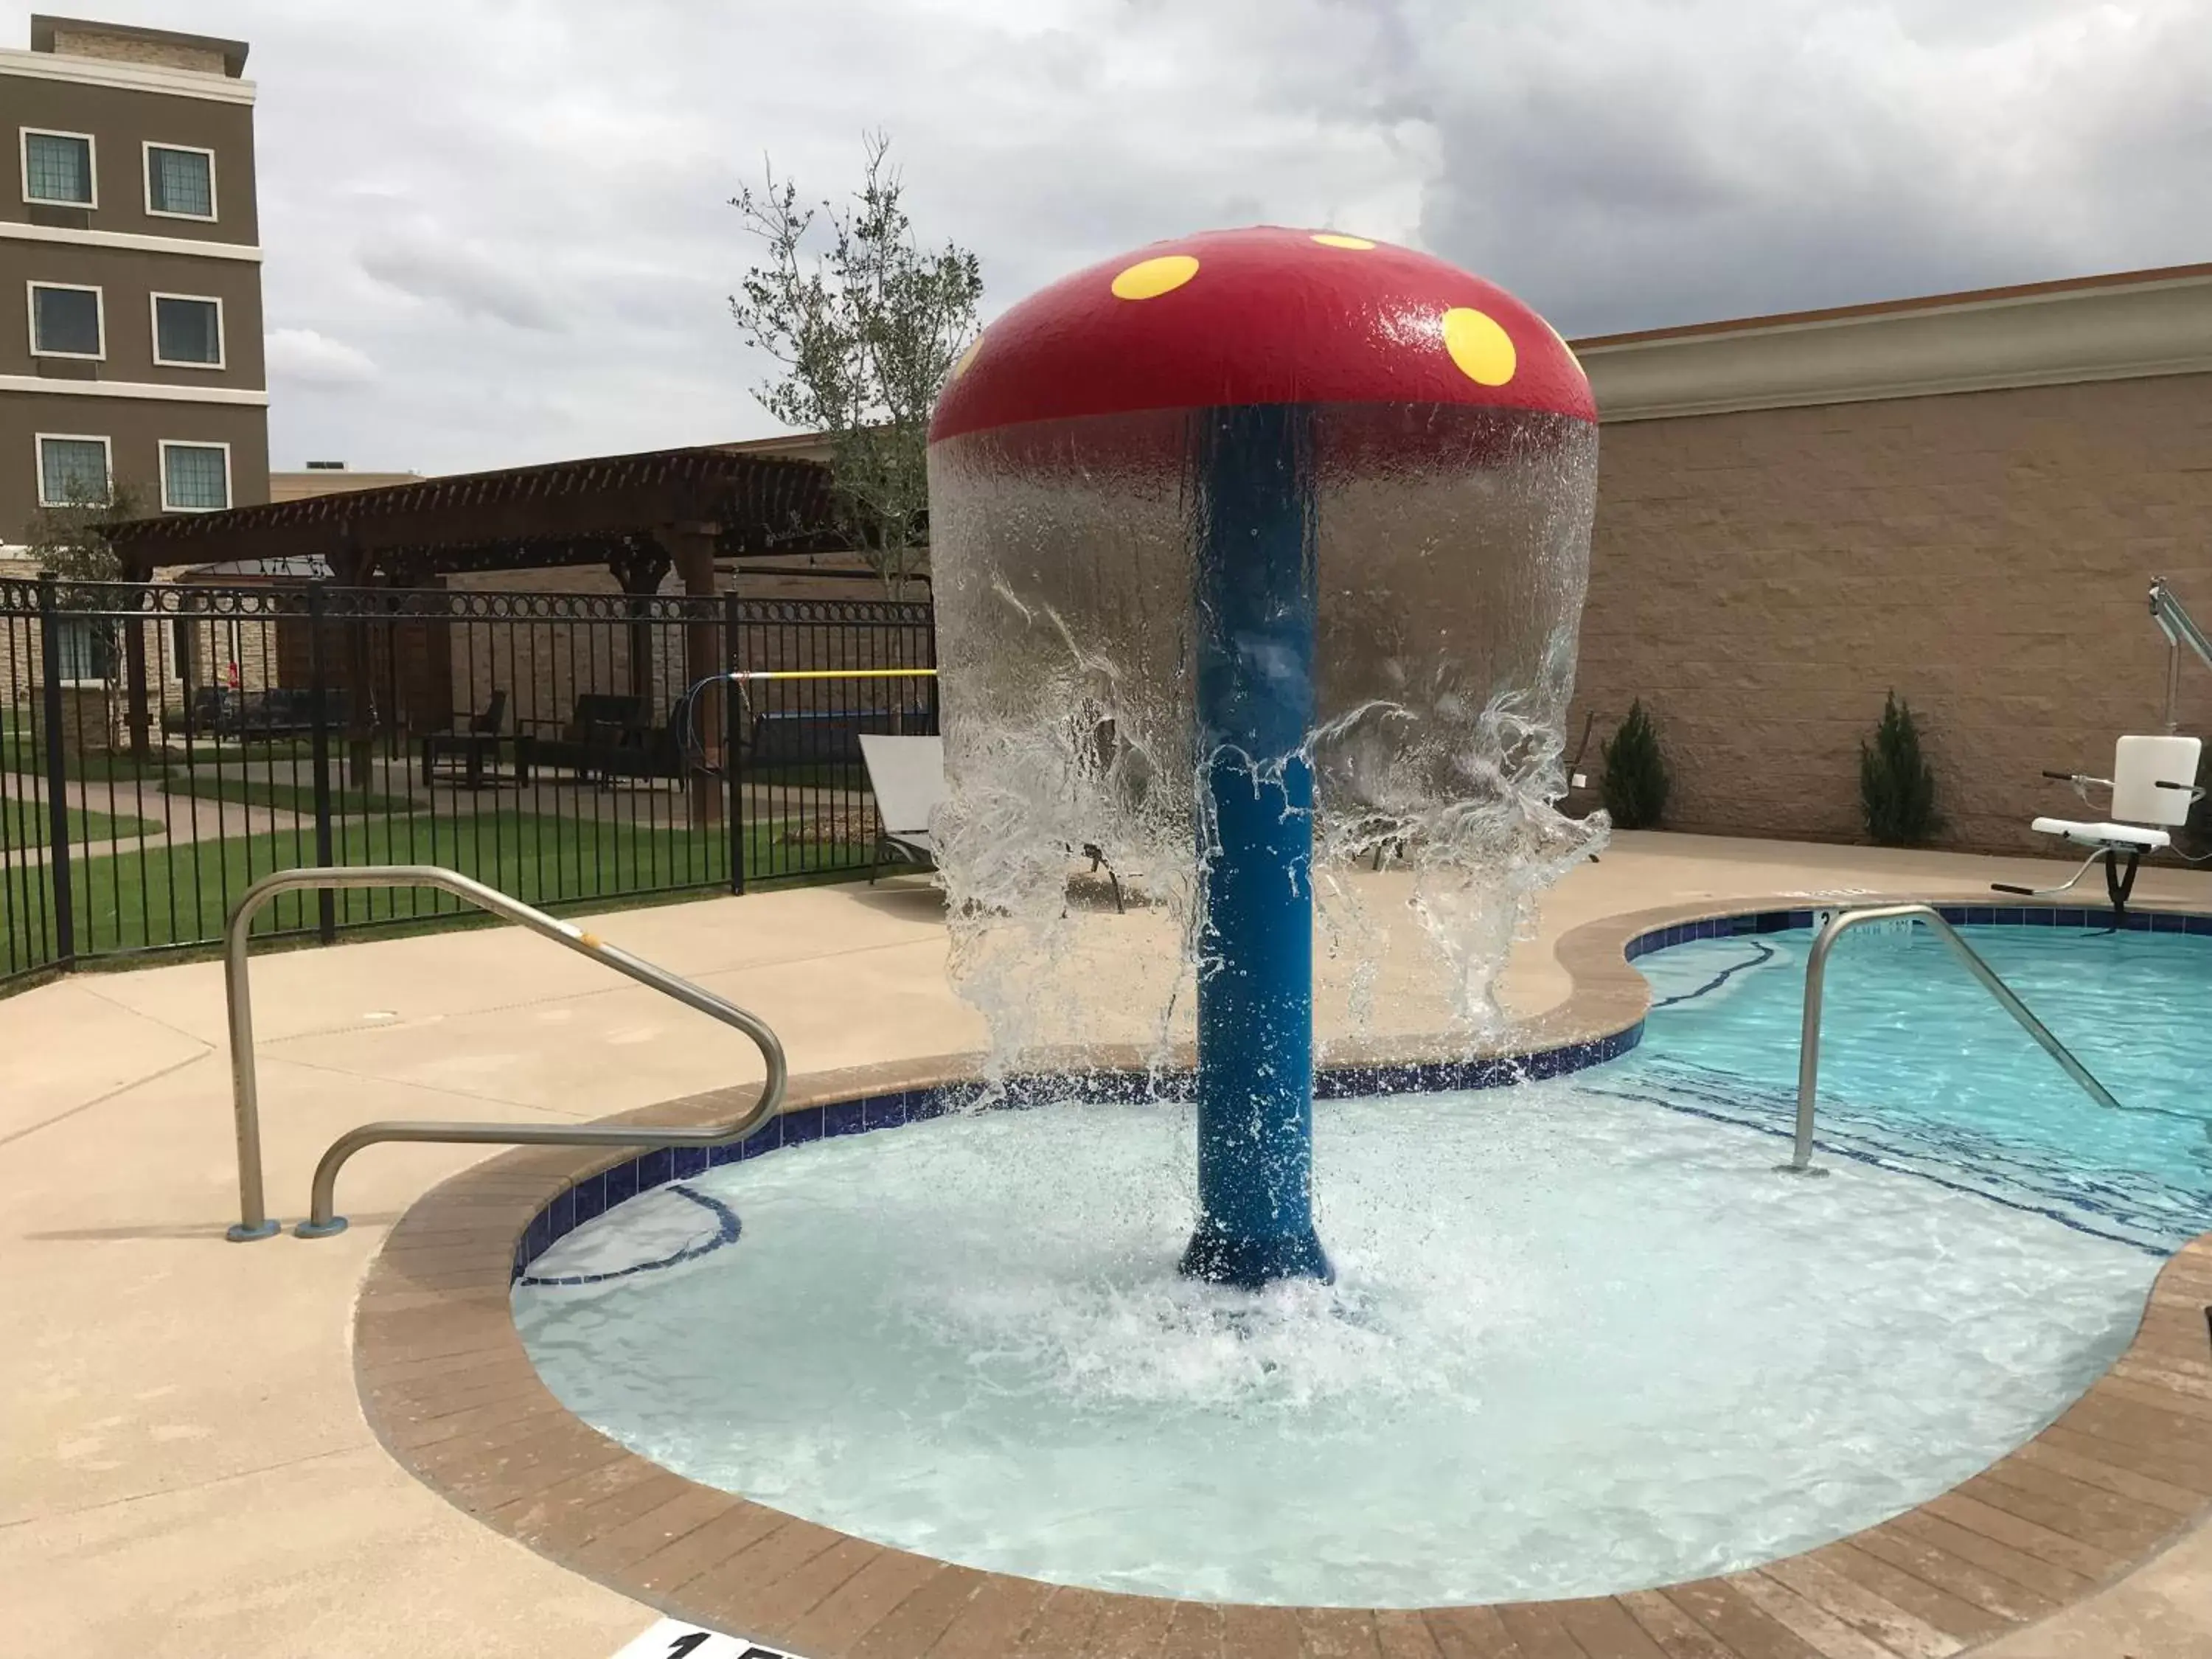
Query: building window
[[187, 332], [65, 322], [72, 471], [179, 183], [87, 651], [195, 477], [57, 167]]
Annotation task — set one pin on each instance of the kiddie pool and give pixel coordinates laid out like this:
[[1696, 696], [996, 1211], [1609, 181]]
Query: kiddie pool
[[1584, 1339]]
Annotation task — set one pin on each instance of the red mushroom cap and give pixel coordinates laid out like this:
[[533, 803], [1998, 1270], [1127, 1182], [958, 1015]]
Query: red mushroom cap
[[1261, 316]]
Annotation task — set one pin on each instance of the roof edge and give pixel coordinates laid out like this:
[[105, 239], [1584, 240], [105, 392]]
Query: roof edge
[[2055, 288], [2127, 325], [232, 52]]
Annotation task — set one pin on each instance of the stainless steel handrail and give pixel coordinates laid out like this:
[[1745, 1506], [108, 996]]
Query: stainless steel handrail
[[254, 1220], [1808, 1040]]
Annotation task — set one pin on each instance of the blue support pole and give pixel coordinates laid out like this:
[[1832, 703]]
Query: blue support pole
[[1255, 603]]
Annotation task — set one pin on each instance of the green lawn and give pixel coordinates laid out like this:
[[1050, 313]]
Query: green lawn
[[284, 797], [21, 750], [27, 826], [101, 826], [179, 894], [249, 751]]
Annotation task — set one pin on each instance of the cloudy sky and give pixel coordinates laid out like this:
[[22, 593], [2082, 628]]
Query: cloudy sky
[[495, 230]]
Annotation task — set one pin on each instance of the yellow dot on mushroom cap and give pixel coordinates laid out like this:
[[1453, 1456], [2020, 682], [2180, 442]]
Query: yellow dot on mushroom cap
[[960, 363], [1149, 278], [1483, 351], [1331, 239]]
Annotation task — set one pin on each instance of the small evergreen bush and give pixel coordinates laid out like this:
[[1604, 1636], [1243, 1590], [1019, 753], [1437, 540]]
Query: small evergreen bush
[[1635, 781], [1896, 786]]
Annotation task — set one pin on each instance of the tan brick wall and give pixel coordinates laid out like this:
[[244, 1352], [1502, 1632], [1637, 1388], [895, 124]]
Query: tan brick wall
[[162, 54], [1762, 578]]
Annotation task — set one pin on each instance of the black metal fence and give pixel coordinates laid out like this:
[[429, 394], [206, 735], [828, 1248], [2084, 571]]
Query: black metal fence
[[162, 746]]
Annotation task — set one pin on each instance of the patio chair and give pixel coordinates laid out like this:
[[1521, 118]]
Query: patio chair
[[609, 735], [907, 776], [2153, 783], [475, 744]]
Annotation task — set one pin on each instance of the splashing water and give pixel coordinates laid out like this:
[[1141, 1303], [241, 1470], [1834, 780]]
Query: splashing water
[[1452, 549], [967, 1337]]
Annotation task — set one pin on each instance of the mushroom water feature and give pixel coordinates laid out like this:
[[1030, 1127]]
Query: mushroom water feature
[[1257, 553], [1258, 557]]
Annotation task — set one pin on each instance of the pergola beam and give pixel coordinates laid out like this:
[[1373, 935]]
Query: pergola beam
[[568, 513]]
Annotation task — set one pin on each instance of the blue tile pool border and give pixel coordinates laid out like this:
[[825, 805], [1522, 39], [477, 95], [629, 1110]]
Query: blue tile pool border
[[594, 1194]]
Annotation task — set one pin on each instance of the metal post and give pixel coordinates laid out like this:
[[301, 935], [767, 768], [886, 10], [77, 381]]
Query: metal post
[[326, 901], [1808, 1035], [57, 838], [245, 1104], [732, 742], [1256, 604]]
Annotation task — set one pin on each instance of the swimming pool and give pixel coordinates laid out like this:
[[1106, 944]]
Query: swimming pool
[[1584, 1338], [1921, 1071]]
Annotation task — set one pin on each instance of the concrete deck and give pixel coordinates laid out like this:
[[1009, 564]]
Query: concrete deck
[[185, 1467]]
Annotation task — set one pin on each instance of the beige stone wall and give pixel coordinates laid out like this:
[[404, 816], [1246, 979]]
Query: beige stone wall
[[128, 48], [1761, 579], [214, 644]]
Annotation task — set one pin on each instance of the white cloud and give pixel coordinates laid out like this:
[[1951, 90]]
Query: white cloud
[[517, 213], [438, 265], [306, 358]]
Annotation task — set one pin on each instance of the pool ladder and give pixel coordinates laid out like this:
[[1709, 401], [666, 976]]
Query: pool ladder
[[323, 1220], [1816, 969]]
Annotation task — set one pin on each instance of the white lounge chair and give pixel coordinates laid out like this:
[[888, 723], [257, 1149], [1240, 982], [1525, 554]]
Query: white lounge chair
[[2153, 783], [906, 776]]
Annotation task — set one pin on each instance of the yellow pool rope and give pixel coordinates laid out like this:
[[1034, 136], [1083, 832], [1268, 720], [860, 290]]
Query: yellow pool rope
[[836, 674]]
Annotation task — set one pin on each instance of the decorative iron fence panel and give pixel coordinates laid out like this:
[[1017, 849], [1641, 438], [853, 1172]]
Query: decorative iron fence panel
[[164, 744]]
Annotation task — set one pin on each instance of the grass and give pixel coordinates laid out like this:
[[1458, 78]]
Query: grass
[[250, 751], [21, 750], [179, 894], [29, 828], [284, 797], [101, 826]]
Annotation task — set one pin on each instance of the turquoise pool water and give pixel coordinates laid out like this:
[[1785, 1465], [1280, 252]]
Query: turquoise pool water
[[1583, 1338], [1921, 1071]]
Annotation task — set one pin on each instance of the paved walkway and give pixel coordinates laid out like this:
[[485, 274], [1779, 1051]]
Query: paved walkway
[[183, 1465]]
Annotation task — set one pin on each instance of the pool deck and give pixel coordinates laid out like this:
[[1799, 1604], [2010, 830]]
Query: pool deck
[[186, 1467]]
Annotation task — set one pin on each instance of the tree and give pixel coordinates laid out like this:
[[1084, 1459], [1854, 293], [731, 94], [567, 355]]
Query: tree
[[1635, 781], [1896, 786], [66, 538], [866, 325]]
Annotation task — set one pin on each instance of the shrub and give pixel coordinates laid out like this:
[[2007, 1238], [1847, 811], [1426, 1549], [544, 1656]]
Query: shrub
[[1635, 781], [1896, 786]]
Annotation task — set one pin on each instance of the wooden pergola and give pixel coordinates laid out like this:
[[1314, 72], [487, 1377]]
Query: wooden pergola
[[639, 516]]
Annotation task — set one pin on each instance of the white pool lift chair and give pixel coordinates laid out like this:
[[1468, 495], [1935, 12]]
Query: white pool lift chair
[[906, 776], [2153, 784]]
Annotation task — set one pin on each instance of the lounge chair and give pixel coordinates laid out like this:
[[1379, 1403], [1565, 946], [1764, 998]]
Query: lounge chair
[[907, 776]]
